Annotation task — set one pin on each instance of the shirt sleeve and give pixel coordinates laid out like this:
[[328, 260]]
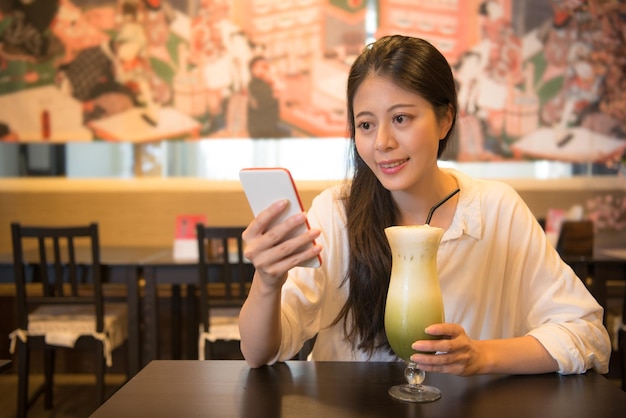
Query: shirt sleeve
[[561, 313]]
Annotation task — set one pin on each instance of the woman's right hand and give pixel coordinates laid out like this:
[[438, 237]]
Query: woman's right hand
[[271, 252]]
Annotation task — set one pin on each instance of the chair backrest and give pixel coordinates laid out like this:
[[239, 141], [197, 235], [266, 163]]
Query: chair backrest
[[59, 261], [576, 239], [223, 273]]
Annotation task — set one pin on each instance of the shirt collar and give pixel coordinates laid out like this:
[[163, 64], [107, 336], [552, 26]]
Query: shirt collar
[[467, 219]]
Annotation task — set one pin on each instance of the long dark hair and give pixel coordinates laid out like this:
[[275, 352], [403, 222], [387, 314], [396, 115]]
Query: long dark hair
[[416, 65]]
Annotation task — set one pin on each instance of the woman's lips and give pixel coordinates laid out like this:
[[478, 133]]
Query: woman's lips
[[392, 166]]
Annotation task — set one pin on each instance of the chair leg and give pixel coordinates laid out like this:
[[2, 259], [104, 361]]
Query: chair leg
[[192, 322], [622, 351], [176, 308], [22, 383], [100, 365], [48, 368]]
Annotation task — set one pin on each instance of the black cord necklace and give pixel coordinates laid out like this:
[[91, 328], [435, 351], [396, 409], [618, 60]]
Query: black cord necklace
[[441, 202]]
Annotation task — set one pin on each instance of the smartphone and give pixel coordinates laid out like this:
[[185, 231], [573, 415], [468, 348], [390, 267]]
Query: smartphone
[[265, 186]]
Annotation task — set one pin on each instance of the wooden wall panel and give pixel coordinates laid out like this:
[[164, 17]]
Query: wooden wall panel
[[130, 213], [142, 212]]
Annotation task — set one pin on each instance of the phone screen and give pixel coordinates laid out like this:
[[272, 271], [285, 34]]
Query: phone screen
[[265, 186]]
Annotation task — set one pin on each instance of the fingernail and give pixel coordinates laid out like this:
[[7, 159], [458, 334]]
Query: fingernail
[[281, 203]]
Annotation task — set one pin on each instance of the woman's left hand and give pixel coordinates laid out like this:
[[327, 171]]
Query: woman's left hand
[[456, 353]]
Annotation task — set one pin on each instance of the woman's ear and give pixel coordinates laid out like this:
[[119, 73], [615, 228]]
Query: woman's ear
[[445, 122]]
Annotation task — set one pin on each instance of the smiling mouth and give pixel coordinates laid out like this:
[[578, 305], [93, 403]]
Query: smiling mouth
[[393, 164]]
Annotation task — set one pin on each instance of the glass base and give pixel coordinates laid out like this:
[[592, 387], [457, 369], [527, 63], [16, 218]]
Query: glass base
[[415, 393]]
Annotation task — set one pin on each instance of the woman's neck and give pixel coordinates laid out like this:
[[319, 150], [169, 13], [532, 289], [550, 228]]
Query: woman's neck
[[415, 205]]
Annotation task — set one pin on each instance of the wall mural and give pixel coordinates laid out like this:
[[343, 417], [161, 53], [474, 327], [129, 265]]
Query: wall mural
[[537, 79]]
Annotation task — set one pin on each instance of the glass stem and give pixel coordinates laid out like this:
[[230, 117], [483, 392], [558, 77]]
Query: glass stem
[[414, 375]]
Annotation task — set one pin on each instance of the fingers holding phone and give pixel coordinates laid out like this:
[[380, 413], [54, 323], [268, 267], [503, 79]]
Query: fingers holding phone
[[275, 251], [280, 233], [275, 247]]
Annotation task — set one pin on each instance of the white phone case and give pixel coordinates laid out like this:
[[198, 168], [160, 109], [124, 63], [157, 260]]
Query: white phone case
[[265, 186]]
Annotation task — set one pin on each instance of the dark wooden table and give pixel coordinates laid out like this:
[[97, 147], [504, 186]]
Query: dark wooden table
[[161, 268], [192, 388]]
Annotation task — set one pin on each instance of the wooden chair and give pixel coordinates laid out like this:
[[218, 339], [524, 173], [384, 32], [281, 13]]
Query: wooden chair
[[576, 239], [575, 246], [60, 304], [224, 280]]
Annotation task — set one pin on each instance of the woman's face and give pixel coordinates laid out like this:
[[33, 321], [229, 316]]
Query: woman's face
[[397, 133]]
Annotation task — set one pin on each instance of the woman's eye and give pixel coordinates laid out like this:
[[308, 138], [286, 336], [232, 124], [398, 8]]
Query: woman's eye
[[400, 119], [364, 125]]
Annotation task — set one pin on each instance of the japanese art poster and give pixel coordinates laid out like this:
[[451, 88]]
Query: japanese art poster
[[146, 70], [537, 79]]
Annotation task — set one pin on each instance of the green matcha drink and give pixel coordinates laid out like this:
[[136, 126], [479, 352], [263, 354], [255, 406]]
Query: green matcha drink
[[414, 298]]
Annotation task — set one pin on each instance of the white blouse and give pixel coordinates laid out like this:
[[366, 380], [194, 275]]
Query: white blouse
[[499, 275]]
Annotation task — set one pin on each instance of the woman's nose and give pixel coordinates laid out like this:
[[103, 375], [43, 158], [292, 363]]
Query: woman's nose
[[384, 138]]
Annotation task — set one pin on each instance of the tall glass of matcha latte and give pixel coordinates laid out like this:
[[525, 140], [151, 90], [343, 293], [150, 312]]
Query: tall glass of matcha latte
[[414, 302]]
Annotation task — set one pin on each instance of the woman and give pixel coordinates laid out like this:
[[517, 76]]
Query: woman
[[512, 305]]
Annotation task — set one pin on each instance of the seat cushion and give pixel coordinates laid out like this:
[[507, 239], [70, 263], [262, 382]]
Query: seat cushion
[[62, 325], [224, 325]]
